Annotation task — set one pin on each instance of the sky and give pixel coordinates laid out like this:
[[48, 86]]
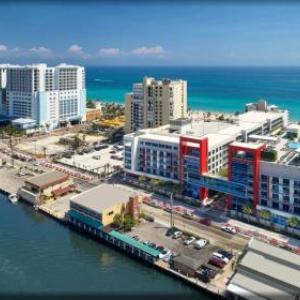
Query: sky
[[162, 33]]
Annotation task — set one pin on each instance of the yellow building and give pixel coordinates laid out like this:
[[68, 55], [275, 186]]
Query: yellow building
[[104, 202]]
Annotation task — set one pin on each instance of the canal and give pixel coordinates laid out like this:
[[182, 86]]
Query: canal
[[40, 256]]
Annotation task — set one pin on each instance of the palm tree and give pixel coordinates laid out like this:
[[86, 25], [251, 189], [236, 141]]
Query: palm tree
[[264, 214], [293, 222], [247, 210]]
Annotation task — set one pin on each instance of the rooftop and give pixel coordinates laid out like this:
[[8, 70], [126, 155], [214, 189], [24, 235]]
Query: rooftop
[[253, 146], [188, 261], [102, 197], [48, 179], [258, 116], [266, 270]]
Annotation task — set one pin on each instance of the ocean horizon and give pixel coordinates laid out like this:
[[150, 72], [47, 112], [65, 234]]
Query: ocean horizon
[[222, 89]]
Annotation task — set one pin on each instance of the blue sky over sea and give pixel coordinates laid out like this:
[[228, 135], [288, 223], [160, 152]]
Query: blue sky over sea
[[166, 33]]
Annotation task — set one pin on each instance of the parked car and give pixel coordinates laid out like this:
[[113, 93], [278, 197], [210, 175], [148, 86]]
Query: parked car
[[205, 221], [199, 244], [225, 253], [217, 262], [112, 152], [189, 240], [164, 253], [171, 231], [160, 248], [220, 256], [188, 215], [229, 229], [177, 234]]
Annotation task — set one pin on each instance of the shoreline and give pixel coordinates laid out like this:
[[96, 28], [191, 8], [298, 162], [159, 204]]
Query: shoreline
[[81, 229]]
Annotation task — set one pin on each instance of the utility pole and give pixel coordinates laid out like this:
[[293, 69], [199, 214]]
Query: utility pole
[[11, 146], [172, 212]]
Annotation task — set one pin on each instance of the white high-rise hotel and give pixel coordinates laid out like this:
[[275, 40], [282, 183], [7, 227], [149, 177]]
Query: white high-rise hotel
[[48, 95]]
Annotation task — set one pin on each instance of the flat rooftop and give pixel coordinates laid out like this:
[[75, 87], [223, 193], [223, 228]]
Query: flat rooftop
[[253, 146], [102, 197], [48, 179], [258, 116]]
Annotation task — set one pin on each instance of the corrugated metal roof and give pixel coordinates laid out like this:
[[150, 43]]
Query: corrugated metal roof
[[134, 243]]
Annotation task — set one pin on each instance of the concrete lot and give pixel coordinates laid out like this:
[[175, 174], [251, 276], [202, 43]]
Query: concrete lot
[[90, 162], [59, 206], [156, 233], [36, 145], [10, 181]]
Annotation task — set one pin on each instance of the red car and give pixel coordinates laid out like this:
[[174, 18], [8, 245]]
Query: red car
[[204, 221], [217, 262]]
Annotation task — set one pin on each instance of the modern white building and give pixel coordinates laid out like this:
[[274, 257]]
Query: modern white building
[[49, 95], [154, 103], [149, 151]]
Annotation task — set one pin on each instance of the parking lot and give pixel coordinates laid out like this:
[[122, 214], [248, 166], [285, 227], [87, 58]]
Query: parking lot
[[156, 233], [104, 160]]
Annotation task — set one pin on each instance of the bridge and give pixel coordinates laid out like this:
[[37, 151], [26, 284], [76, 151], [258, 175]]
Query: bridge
[[219, 184]]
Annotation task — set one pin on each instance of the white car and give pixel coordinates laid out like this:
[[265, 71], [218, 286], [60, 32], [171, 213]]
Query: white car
[[177, 234], [199, 244], [165, 253], [189, 240], [229, 229], [220, 256], [167, 258]]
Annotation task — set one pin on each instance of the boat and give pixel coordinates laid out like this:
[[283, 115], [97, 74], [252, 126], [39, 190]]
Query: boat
[[13, 198]]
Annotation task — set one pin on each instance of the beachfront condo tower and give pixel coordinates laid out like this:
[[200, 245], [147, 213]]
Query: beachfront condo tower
[[50, 96], [154, 103]]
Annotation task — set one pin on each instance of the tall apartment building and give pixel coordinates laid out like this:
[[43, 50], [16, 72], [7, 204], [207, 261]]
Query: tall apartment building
[[154, 103], [48, 95]]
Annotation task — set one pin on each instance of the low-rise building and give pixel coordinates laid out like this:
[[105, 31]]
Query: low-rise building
[[93, 211], [92, 114], [186, 265], [101, 204], [46, 186], [266, 272]]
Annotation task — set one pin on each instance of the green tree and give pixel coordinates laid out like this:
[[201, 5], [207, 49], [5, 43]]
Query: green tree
[[118, 220], [128, 222], [247, 210], [264, 214], [293, 222], [90, 104]]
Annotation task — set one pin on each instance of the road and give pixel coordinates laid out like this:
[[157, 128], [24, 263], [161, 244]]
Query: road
[[214, 235]]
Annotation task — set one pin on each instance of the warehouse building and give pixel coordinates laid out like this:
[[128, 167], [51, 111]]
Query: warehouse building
[[266, 272]]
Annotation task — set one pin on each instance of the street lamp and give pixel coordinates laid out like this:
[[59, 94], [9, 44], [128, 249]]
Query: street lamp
[[172, 213]]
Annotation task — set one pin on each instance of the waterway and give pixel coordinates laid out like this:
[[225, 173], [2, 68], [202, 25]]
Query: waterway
[[40, 256]]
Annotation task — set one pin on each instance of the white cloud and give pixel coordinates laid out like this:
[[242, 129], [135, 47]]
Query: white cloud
[[3, 48], [40, 50], [156, 50], [77, 50], [109, 52]]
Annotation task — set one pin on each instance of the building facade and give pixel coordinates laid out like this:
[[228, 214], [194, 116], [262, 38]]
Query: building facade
[[241, 160], [46, 186], [154, 103], [49, 95]]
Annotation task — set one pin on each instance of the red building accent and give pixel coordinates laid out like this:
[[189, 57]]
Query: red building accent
[[256, 152], [187, 143]]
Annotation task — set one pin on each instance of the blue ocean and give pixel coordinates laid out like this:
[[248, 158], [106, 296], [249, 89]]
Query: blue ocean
[[211, 89]]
